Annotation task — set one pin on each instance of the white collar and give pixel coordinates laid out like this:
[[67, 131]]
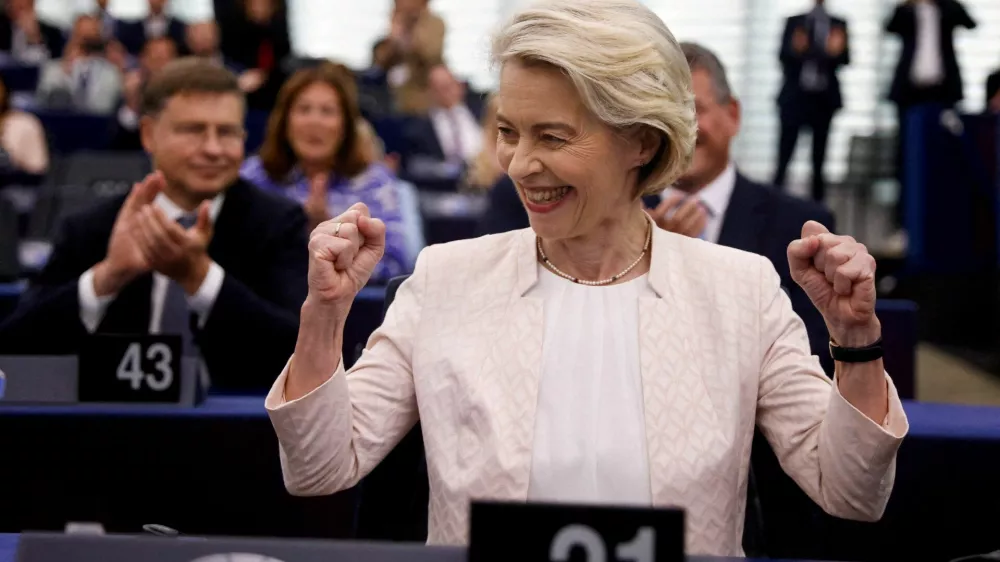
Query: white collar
[[174, 212], [716, 194]]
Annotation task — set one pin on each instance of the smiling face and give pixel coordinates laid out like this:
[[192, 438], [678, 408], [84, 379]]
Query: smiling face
[[718, 124], [316, 124], [574, 173], [196, 140]]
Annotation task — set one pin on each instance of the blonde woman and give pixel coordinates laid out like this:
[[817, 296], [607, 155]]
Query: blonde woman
[[592, 357]]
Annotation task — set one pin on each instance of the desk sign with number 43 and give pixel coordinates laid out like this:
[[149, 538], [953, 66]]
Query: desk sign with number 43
[[130, 368], [502, 532]]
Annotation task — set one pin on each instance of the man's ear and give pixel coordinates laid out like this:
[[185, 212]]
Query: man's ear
[[735, 113], [146, 126]]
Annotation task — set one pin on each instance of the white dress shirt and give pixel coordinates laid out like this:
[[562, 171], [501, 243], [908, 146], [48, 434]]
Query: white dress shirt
[[715, 196], [93, 307], [590, 430], [24, 52], [927, 68], [470, 135], [156, 26]]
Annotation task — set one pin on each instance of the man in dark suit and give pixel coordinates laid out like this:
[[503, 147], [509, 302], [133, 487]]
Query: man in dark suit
[[26, 39], [450, 133], [714, 202], [813, 48], [927, 71], [192, 250], [134, 34]]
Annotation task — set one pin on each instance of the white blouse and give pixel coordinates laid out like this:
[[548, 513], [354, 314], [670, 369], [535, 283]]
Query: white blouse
[[590, 442]]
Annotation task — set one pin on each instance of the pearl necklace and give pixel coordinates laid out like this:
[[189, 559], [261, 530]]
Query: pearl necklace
[[610, 280]]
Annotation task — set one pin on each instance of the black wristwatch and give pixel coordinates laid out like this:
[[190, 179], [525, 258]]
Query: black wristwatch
[[856, 354]]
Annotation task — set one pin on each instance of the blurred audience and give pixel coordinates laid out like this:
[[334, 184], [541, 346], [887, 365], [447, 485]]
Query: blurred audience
[[156, 54], [813, 48], [23, 148], [192, 250], [927, 71], [203, 41], [255, 38], [25, 39], [993, 93], [450, 132], [157, 24], [374, 88], [109, 25], [314, 153], [484, 169], [83, 79], [714, 202], [418, 37]]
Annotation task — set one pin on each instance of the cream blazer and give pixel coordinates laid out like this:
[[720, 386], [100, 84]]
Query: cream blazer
[[721, 350]]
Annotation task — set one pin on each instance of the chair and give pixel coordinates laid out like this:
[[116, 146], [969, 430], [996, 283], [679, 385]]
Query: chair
[[70, 132], [393, 498], [10, 268], [79, 181]]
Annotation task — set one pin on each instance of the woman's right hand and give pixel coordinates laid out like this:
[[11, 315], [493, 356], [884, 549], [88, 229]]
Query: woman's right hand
[[343, 253]]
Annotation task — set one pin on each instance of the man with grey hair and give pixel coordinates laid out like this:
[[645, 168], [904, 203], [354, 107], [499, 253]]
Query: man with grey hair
[[714, 202]]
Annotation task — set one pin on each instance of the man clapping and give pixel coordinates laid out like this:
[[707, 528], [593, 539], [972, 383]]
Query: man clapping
[[192, 250]]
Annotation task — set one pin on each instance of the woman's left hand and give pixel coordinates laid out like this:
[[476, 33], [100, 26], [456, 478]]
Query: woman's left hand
[[838, 274]]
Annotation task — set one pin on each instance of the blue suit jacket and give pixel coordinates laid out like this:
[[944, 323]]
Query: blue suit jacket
[[792, 63]]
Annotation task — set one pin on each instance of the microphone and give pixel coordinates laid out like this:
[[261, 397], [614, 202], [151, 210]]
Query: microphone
[[160, 530]]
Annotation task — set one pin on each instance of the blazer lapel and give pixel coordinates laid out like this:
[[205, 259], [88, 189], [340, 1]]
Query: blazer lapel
[[744, 221], [512, 372], [679, 412], [130, 312]]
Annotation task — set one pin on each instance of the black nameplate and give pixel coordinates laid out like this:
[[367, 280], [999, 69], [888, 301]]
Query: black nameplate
[[130, 368], [570, 533]]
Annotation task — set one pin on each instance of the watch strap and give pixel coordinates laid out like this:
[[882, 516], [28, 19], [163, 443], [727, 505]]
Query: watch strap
[[856, 354]]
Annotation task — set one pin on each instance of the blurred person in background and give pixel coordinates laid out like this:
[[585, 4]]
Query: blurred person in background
[[418, 37], [203, 41], [594, 357], [714, 202], [156, 54], [23, 148], [109, 25], [313, 153], [993, 93], [255, 38], [484, 170], [814, 47], [450, 131], [927, 71], [157, 24], [192, 250], [375, 94], [83, 79], [24, 38]]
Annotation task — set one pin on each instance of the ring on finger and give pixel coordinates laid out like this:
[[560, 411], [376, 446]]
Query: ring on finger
[[336, 229]]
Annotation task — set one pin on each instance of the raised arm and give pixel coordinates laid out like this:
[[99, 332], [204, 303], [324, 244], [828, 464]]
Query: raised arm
[[333, 426], [837, 441]]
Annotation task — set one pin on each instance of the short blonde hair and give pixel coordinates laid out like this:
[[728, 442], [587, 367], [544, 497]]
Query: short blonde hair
[[624, 62]]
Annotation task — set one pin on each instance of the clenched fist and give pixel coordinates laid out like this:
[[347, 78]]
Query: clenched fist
[[838, 274], [343, 253]]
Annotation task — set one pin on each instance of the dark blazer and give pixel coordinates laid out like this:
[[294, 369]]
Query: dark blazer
[[759, 219], [764, 220], [992, 86], [792, 63], [903, 22], [420, 138], [132, 35], [260, 242], [243, 43], [54, 38]]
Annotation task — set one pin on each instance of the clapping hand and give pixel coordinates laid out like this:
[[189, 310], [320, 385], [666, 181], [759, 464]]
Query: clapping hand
[[315, 205], [343, 253], [180, 254], [680, 214], [838, 275], [125, 259]]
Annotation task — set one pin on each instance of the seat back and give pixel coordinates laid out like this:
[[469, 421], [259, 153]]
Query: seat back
[[10, 267]]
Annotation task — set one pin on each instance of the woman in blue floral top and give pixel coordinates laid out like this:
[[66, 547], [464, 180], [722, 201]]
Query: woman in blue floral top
[[314, 152]]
